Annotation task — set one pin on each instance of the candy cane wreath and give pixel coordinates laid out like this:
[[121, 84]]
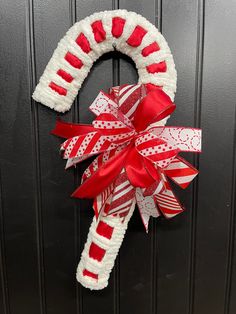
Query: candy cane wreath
[[135, 151]]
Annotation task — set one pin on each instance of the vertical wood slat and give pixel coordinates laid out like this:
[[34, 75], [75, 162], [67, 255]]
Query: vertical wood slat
[[35, 140], [197, 124], [230, 286], [58, 216], [4, 297], [216, 163], [18, 218], [173, 251]]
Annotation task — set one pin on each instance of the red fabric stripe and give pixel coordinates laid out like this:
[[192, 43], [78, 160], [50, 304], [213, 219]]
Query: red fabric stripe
[[60, 90], [66, 144], [121, 141], [180, 172], [105, 146], [73, 60], [117, 26], [107, 117], [76, 146], [113, 132], [128, 197], [96, 252], [104, 230], [90, 274], [157, 67], [122, 189], [152, 188], [98, 31], [168, 206], [95, 207], [92, 143], [68, 130], [183, 185], [131, 100], [169, 211], [83, 42], [150, 87], [106, 208], [152, 143], [136, 37], [163, 155], [65, 75], [168, 202], [124, 213], [118, 211], [150, 49], [124, 92], [121, 178]]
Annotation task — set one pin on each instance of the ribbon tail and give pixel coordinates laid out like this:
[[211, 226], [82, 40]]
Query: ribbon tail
[[73, 161], [185, 139], [123, 196], [83, 146], [68, 130], [167, 202], [103, 177], [156, 188], [102, 201], [181, 172], [147, 207], [96, 163]]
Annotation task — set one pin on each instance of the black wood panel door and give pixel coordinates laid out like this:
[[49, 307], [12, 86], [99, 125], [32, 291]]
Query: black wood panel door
[[183, 266]]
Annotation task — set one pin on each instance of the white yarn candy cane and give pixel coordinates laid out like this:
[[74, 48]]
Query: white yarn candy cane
[[94, 274], [84, 43]]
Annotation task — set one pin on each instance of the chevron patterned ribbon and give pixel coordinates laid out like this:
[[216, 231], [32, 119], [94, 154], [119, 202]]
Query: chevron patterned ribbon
[[135, 153]]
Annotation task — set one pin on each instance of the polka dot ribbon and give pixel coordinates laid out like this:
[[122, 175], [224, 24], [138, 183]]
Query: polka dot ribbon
[[136, 152]]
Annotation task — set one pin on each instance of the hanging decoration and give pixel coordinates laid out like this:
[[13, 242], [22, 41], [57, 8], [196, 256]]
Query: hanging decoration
[[135, 152]]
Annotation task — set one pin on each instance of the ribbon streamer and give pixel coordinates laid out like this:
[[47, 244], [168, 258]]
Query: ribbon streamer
[[136, 153]]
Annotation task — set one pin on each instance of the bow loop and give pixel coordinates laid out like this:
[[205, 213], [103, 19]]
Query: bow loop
[[112, 128], [84, 146], [153, 108], [155, 149]]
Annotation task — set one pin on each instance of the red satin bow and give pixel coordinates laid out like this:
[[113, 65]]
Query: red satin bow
[[137, 150]]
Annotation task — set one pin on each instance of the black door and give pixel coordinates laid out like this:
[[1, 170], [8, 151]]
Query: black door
[[183, 266]]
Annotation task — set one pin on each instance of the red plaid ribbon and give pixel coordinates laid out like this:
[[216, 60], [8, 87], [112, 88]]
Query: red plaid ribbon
[[136, 153]]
